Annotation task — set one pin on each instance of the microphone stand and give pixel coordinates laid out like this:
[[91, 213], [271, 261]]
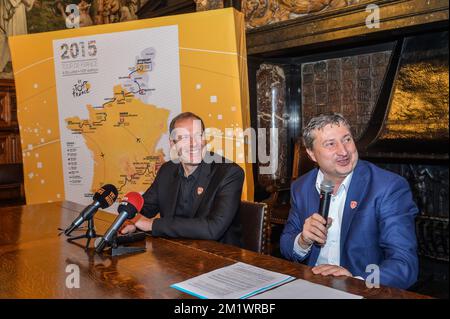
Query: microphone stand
[[120, 250], [90, 233], [119, 245]]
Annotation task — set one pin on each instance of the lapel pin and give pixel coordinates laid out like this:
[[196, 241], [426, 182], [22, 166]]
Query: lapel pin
[[199, 190], [353, 204]]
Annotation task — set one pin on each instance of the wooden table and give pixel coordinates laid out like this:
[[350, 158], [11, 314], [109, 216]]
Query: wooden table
[[34, 260]]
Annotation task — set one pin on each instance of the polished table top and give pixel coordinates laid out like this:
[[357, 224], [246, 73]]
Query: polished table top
[[34, 261]]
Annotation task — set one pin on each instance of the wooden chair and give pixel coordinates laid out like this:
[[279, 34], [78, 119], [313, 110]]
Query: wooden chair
[[11, 184], [255, 226], [279, 200]]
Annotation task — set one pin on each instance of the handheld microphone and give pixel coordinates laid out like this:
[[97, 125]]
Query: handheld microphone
[[104, 197], [131, 205], [326, 189]]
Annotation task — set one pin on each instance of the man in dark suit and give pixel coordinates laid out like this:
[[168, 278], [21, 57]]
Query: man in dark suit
[[195, 195], [371, 217]]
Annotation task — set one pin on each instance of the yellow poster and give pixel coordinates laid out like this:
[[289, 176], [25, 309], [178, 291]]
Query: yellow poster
[[94, 104]]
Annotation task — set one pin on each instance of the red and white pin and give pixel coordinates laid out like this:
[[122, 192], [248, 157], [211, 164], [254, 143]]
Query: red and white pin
[[199, 190], [353, 204]]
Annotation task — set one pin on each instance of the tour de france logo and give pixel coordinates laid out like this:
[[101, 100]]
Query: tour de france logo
[[81, 88]]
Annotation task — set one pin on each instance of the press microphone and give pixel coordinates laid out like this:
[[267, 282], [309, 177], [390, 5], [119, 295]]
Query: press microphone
[[326, 189], [104, 197], [131, 205]]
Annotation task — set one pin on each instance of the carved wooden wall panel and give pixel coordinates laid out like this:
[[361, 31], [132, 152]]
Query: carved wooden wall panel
[[348, 85], [263, 12]]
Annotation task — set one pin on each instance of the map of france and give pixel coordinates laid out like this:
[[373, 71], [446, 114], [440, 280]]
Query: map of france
[[122, 136]]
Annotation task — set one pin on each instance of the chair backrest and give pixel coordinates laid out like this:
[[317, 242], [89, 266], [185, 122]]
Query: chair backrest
[[11, 173], [254, 226]]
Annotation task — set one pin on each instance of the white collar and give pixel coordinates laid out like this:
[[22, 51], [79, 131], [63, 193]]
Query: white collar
[[344, 185]]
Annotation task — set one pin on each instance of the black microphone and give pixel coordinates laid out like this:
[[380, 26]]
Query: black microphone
[[131, 205], [326, 189], [104, 197]]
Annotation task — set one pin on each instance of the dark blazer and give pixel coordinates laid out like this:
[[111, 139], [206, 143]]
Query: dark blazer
[[215, 211], [377, 226]]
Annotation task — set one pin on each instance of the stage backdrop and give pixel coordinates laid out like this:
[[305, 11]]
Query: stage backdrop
[[94, 104]]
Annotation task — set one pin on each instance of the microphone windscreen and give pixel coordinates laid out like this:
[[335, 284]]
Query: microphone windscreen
[[326, 186], [132, 203], [106, 195]]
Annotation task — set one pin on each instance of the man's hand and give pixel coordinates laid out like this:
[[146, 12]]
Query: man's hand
[[326, 270], [127, 228], [142, 223], [314, 230]]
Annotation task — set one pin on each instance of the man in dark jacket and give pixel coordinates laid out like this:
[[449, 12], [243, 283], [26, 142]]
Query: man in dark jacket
[[195, 195]]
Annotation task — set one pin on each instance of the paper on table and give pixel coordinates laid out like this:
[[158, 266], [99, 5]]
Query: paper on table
[[302, 289], [237, 281]]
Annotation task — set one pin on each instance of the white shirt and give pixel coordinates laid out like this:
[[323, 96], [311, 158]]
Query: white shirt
[[331, 251]]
